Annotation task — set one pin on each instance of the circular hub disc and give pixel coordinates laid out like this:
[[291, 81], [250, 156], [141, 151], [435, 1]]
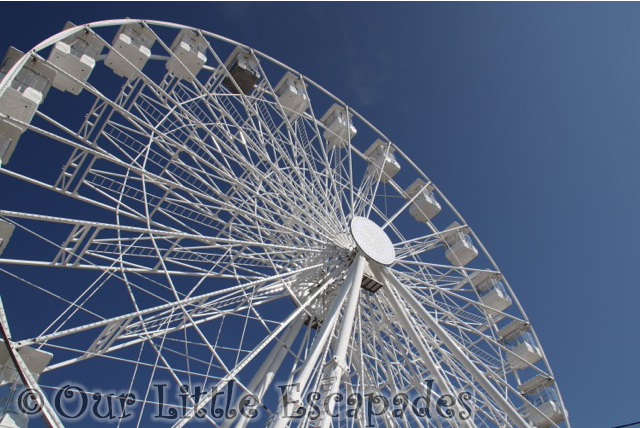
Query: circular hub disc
[[372, 241]]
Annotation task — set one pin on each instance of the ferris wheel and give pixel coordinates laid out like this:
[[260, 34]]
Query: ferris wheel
[[204, 232]]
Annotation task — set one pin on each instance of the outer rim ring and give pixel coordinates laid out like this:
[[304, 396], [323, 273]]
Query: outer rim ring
[[97, 24]]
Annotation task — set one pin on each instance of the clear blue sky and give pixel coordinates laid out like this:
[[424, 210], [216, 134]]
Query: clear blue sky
[[527, 116]]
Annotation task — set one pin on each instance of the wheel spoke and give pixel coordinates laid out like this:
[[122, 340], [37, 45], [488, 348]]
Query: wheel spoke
[[206, 212]]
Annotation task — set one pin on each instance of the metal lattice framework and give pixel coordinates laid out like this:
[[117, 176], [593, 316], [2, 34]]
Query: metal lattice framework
[[193, 226]]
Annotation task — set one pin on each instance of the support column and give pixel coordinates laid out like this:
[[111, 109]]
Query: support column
[[48, 413], [425, 355], [352, 279], [338, 365], [455, 349], [262, 379], [389, 422]]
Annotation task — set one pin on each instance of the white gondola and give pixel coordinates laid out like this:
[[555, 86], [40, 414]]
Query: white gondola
[[292, 95], [460, 248], [424, 206], [380, 156], [518, 338], [544, 408], [75, 57], [6, 230], [491, 290], [244, 69], [29, 87], [9, 136], [130, 49], [36, 361], [12, 416], [339, 127], [22, 98], [188, 55]]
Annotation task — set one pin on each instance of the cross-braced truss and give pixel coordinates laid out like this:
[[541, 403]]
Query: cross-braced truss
[[192, 230]]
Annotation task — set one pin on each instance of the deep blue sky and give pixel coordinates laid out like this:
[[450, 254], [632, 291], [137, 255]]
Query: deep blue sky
[[527, 116]]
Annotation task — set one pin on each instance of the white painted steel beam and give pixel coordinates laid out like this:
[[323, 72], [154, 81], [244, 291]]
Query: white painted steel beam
[[352, 279], [456, 350]]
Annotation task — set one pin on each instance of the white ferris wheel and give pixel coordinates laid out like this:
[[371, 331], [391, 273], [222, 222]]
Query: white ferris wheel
[[192, 213]]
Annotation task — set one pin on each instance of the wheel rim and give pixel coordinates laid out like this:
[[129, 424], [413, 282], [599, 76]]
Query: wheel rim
[[205, 226]]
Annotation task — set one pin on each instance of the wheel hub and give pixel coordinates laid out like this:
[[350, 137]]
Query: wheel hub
[[372, 241]]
